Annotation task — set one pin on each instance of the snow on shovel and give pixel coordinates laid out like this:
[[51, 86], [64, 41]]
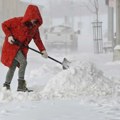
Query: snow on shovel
[[65, 63]]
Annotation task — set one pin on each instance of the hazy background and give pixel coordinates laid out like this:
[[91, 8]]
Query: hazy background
[[78, 14]]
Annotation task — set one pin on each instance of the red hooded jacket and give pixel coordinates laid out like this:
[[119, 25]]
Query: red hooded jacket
[[16, 27]]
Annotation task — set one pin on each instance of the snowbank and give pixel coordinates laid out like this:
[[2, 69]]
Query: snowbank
[[83, 78]]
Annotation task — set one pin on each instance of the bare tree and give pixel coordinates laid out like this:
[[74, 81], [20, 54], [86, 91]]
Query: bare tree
[[93, 7]]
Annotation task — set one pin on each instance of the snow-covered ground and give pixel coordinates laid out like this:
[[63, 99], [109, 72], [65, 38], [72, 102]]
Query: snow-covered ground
[[88, 90]]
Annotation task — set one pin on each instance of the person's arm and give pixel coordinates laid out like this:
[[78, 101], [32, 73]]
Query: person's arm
[[39, 44], [38, 41]]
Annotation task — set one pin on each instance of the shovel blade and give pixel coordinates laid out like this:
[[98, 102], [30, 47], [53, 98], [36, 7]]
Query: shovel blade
[[65, 64]]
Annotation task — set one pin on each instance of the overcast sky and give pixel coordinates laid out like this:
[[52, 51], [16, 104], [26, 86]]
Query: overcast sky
[[70, 7], [41, 2]]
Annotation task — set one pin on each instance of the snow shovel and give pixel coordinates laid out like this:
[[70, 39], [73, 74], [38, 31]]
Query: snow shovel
[[65, 63]]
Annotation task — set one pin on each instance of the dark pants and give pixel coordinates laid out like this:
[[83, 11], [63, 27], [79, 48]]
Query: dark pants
[[19, 59]]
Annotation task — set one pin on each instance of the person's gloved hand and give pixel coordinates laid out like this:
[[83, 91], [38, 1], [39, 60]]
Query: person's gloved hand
[[44, 54], [11, 40]]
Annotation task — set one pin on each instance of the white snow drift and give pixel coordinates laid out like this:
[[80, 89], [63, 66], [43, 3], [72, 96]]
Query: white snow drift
[[81, 79]]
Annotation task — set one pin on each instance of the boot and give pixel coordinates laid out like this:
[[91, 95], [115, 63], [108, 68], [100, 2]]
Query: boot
[[22, 86], [6, 85]]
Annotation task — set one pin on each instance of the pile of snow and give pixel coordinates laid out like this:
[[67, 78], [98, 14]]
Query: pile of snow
[[81, 79]]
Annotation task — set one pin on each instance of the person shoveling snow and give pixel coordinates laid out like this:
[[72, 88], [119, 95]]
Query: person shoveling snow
[[24, 29]]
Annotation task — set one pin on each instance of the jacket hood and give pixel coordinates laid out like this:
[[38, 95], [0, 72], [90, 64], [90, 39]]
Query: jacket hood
[[32, 12]]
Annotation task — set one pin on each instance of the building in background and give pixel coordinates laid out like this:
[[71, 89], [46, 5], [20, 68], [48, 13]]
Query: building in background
[[12, 8], [9, 9]]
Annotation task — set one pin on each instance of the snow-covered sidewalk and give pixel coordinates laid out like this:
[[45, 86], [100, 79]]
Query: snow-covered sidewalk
[[89, 90], [52, 110]]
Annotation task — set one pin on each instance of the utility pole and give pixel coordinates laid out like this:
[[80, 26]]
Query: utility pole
[[111, 25], [116, 54], [110, 5]]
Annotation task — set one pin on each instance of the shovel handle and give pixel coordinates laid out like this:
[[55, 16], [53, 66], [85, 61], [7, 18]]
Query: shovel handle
[[42, 54], [55, 60], [22, 45]]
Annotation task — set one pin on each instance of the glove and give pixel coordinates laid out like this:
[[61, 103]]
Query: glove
[[44, 54], [11, 40]]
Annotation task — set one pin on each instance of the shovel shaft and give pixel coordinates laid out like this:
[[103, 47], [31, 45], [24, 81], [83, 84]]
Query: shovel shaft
[[21, 45], [55, 60], [41, 54]]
